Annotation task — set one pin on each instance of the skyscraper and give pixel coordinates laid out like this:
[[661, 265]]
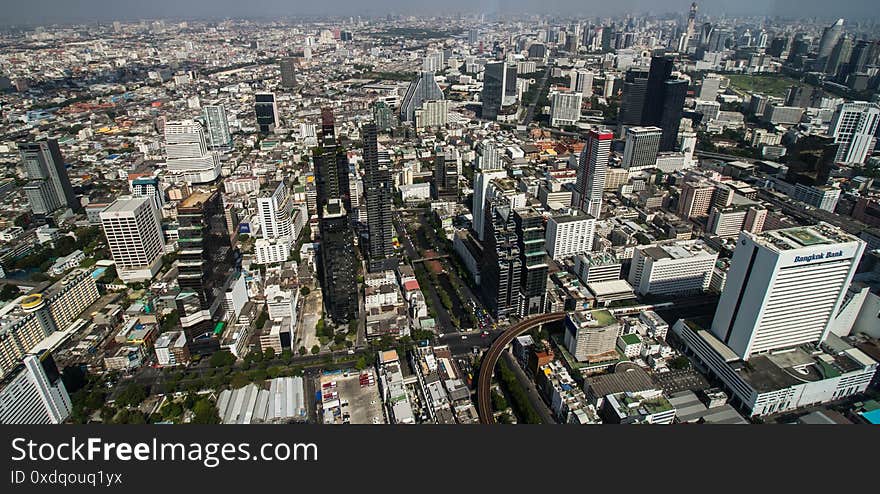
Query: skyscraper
[[502, 264], [499, 88], [187, 151], [423, 88], [446, 175], [635, 85], [592, 167], [530, 233], [785, 287], [49, 187], [377, 189], [219, 138], [35, 394], [134, 235], [275, 209], [664, 101], [287, 65], [830, 36], [266, 110], [339, 274], [854, 128], [206, 261], [331, 166]]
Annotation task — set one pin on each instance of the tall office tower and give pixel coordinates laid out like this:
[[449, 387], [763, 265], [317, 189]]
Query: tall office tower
[[377, 189], [674, 95], [695, 199], [582, 82], [423, 88], [854, 128], [473, 36], [482, 181], [188, 158], [219, 137], [691, 28], [710, 87], [502, 266], [785, 287], [383, 116], [530, 233], [659, 73], [565, 108], [592, 167], [839, 56], [266, 110], [864, 53], [664, 101], [433, 62], [275, 209], [446, 176], [35, 394], [499, 88], [206, 261], [134, 234], [635, 85], [642, 144], [830, 36], [49, 187], [339, 264], [287, 65]]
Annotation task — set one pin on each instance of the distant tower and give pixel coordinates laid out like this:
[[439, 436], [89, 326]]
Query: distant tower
[[288, 72]]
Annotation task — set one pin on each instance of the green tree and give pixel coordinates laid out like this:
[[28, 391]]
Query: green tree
[[304, 291], [316, 349], [132, 395], [302, 351], [222, 358], [9, 292], [204, 412], [269, 354]]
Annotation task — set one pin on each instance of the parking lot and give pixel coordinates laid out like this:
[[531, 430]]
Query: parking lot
[[350, 397]]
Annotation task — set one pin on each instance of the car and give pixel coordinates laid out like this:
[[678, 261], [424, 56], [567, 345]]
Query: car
[[463, 337]]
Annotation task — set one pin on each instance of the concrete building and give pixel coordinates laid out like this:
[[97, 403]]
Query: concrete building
[[784, 288], [854, 128], [569, 234], [591, 335], [592, 167], [672, 268], [34, 393], [565, 108], [640, 151], [134, 235]]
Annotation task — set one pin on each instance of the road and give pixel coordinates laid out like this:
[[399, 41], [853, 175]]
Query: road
[[532, 392], [530, 113], [490, 359], [444, 322]]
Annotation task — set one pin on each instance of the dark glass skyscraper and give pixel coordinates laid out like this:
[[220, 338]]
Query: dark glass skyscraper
[[499, 81], [49, 187], [377, 189], [502, 264], [530, 233], [331, 166], [664, 101], [339, 264], [206, 260], [287, 65], [635, 85]]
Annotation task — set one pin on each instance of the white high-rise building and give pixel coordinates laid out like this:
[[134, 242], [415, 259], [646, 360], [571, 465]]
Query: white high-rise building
[[134, 233], [784, 288], [187, 150], [672, 268], [489, 156], [432, 114], [642, 144], [275, 210], [854, 128], [565, 108], [582, 82], [33, 396], [482, 181], [569, 235], [592, 167]]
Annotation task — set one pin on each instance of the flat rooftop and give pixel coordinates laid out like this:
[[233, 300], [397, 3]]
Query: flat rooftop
[[196, 198], [803, 237]]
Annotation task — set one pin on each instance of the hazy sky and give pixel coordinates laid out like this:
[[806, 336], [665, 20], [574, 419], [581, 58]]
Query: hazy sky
[[48, 11]]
